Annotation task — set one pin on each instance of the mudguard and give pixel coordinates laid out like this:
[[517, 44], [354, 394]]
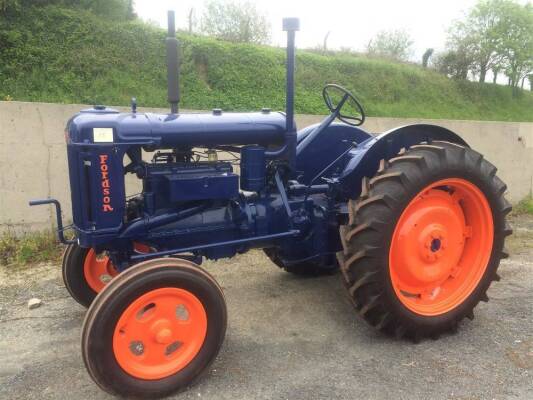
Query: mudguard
[[325, 149], [364, 160]]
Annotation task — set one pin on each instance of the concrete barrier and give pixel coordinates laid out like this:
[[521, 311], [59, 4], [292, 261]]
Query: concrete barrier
[[33, 160]]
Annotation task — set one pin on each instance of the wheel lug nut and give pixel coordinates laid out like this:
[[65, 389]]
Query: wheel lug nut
[[137, 347]]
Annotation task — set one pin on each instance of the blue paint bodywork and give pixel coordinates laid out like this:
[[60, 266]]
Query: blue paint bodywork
[[168, 130], [290, 193], [191, 206], [325, 148], [364, 160]]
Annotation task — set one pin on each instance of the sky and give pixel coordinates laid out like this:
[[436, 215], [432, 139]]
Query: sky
[[352, 22]]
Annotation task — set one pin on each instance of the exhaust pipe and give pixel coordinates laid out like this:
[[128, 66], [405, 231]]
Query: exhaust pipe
[[290, 25], [288, 150], [173, 68]]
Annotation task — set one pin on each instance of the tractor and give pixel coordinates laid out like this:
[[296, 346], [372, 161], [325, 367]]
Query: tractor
[[414, 219]]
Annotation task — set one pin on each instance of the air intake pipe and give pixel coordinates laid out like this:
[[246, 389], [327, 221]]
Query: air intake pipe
[[172, 65], [290, 25]]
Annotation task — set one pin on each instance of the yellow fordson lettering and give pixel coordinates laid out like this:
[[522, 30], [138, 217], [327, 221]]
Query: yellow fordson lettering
[[106, 187]]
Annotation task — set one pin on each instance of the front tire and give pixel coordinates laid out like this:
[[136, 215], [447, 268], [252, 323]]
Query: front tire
[[154, 329], [85, 273], [424, 240]]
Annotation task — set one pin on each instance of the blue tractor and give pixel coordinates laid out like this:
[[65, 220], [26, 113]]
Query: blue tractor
[[413, 218]]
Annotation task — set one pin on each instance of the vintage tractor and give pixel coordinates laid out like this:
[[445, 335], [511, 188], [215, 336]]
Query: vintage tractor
[[413, 217]]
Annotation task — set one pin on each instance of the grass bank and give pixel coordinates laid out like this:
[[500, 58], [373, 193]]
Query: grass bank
[[54, 54]]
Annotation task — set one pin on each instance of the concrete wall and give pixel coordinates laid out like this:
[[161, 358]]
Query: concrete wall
[[33, 159]]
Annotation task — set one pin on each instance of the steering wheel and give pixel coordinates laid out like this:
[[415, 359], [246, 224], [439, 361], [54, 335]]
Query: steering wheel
[[346, 97]]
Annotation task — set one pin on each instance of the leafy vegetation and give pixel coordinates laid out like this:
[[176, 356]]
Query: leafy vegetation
[[395, 45], [496, 35], [64, 55], [524, 206], [426, 56], [29, 248], [110, 9], [235, 22]]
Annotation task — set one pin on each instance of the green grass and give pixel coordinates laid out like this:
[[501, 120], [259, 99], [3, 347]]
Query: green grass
[[53, 54], [524, 206], [29, 248]]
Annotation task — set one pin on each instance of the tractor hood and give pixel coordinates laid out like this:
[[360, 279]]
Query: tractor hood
[[107, 126]]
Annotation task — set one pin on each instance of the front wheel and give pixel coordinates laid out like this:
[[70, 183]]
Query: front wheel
[[424, 240], [86, 272], [154, 329]]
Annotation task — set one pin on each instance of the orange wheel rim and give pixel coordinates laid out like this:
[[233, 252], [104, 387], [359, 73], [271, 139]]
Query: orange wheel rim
[[441, 246], [98, 270], [141, 248], [160, 333]]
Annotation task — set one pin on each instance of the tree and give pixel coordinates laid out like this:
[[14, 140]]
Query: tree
[[497, 35], [130, 9], [496, 69], [191, 20], [112, 9], [325, 47], [454, 63], [426, 56], [396, 45], [479, 35], [9, 5], [235, 21], [517, 44]]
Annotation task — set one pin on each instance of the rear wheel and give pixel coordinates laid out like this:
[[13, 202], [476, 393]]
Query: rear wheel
[[424, 240], [154, 329], [86, 272]]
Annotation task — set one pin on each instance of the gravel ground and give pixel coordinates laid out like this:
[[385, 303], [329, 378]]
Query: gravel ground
[[289, 338]]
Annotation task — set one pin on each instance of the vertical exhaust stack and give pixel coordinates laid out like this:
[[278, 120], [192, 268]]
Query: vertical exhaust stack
[[290, 25], [172, 65]]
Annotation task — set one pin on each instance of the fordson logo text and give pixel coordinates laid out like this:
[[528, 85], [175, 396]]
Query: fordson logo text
[[106, 187]]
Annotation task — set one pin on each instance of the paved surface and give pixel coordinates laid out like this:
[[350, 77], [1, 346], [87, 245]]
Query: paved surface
[[289, 338]]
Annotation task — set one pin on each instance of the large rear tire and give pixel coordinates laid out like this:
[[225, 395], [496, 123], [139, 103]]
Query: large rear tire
[[424, 240], [154, 329]]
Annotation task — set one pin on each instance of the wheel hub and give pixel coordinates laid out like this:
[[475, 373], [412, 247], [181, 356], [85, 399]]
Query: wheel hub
[[441, 246], [160, 333], [423, 254], [98, 270], [432, 243]]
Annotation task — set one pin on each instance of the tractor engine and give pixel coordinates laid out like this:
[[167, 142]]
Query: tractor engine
[[190, 199]]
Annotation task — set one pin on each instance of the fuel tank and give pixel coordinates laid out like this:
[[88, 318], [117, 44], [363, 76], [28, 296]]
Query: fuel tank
[[107, 126]]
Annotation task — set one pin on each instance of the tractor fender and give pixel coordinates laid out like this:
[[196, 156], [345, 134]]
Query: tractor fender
[[364, 160]]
